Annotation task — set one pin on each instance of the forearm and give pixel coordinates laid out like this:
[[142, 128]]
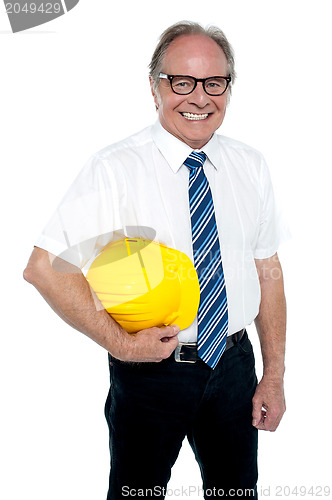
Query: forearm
[[68, 293], [269, 400], [271, 320]]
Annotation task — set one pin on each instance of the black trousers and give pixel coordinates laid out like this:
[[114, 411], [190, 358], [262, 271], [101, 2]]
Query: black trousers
[[151, 407]]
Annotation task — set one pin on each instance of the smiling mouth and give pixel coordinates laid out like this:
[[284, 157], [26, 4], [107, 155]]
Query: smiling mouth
[[194, 116]]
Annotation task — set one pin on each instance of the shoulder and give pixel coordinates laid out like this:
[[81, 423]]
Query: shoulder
[[131, 145], [243, 161], [238, 148], [242, 157]]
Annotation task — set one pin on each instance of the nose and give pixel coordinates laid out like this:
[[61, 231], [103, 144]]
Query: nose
[[199, 96]]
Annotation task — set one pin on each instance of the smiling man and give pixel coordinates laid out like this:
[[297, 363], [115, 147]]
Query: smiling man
[[211, 198], [193, 118]]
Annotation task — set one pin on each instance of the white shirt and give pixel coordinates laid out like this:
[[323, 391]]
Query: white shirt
[[141, 182]]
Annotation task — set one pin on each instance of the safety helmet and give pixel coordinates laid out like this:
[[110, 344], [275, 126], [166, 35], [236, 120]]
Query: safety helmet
[[142, 283]]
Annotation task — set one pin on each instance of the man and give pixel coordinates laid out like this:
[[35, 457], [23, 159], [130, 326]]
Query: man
[[208, 390]]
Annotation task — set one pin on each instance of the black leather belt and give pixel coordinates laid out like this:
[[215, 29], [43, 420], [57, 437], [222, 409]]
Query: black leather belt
[[187, 352]]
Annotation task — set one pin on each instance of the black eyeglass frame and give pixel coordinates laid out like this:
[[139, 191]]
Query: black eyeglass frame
[[196, 80]]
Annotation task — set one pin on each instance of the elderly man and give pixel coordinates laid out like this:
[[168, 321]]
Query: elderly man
[[211, 198]]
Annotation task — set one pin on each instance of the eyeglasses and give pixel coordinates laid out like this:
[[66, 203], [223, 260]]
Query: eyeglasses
[[184, 84]]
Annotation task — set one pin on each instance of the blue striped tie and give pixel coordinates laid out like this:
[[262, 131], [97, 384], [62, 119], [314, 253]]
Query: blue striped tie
[[212, 312]]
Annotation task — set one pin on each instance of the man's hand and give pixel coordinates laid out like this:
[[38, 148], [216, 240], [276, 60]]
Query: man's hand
[[268, 404], [150, 345]]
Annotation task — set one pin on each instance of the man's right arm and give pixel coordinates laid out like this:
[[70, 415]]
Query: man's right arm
[[70, 296]]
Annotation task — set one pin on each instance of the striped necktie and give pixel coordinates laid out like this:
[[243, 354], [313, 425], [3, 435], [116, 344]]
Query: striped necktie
[[212, 312]]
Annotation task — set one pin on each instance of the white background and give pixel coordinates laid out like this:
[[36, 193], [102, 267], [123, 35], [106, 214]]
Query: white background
[[60, 103]]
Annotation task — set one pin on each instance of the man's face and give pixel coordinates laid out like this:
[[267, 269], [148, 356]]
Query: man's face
[[192, 118]]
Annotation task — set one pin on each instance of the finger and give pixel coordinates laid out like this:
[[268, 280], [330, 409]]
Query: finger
[[272, 420], [260, 424], [257, 414], [169, 331], [172, 341], [167, 348]]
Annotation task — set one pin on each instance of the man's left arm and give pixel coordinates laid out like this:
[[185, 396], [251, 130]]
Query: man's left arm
[[269, 401]]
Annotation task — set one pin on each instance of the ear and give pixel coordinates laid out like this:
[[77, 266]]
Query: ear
[[155, 96]]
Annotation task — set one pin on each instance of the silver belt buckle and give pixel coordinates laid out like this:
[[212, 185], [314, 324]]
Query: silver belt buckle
[[177, 352]]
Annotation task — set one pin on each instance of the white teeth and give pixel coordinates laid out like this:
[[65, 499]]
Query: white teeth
[[192, 116]]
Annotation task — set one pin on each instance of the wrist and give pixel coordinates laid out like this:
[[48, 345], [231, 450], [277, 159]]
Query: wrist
[[274, 372], [118, 339]]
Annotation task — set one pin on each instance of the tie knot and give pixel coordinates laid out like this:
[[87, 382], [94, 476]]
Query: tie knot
[[195, 160]]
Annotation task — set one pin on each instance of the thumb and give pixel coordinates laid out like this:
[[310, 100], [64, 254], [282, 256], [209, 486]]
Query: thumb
[[169, 331]]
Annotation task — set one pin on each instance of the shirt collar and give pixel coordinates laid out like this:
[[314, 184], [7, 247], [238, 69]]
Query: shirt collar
[[175, 151]]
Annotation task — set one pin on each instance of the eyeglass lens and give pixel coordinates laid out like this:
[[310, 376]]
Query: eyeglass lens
[[185, 85]]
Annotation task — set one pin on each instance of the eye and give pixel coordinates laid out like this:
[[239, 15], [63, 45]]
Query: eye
[[182, 84], [215, 86], [212, 84], [180, 81]]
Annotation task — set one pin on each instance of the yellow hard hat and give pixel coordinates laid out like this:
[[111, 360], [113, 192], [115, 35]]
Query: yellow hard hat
[[142, 283]]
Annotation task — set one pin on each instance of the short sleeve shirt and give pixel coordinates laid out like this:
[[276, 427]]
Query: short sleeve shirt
[[139, 187]]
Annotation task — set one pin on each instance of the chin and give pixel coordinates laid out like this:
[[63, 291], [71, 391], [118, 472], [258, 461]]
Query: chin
[[198, 133], [198, 139]]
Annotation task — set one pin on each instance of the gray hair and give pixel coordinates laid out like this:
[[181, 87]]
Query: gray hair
[[189, 28]]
